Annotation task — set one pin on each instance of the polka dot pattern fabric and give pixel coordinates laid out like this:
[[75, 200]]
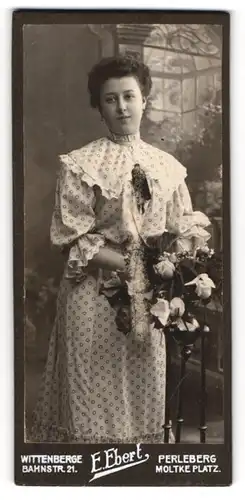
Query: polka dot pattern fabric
[[98, 385]]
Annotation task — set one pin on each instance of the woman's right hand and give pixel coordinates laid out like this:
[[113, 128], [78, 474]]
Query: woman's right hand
[[112, 260]]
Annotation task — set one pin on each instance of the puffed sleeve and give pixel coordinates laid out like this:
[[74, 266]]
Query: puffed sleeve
[[186, 224], [73, 220]]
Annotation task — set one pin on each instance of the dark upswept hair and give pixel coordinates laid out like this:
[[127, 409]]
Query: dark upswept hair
[[117, 67]]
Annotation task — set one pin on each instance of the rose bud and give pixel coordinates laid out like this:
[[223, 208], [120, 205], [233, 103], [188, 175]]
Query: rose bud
[[206, 329], [177, 307], [165, 269], [173, 258]]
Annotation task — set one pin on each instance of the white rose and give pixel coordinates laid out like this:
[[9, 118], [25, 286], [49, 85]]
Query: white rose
[[161, 310], [204, 285], [177, 307], [165, 269]]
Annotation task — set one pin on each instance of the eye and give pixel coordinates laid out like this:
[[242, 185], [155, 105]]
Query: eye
[[110, 99], [129, 97]]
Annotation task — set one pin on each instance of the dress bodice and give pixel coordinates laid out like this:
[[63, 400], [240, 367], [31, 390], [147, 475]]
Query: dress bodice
[[96, 202]]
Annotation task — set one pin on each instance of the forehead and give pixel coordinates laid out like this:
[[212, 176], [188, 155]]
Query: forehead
[[122, 84]]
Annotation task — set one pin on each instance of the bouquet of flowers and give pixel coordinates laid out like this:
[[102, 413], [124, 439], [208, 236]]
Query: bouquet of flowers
[[179, 284], [165, 289]]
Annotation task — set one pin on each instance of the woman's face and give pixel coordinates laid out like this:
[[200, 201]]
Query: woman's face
[[122, 105]]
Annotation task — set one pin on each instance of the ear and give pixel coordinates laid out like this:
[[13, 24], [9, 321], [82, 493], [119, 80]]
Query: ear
[[144, 101]]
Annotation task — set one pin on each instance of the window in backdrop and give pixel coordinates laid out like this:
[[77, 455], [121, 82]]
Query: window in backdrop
[[185, 62]]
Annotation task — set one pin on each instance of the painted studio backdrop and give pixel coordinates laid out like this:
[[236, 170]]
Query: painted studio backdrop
[[183, 117]]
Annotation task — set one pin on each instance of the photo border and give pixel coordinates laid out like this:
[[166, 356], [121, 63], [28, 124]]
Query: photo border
[[144, 475]]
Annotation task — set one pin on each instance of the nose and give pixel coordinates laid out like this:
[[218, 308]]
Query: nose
[[121, 105]]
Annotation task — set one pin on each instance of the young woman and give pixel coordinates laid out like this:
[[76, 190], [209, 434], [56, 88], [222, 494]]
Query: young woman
[[98, 385]]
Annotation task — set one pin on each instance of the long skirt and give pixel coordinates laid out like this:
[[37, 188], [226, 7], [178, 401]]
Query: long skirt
[[98, 384]]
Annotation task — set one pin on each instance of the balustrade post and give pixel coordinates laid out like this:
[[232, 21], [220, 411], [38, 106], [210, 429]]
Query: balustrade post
[[167, 425], [185, 354], [203, 398]]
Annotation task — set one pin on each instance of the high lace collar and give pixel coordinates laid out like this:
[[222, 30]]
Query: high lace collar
[[124, 139]]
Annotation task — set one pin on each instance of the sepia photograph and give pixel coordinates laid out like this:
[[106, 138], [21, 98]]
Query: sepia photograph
[[123, 230]]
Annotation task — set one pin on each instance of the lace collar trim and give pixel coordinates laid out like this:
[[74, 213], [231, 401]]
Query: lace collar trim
[[124, 139], [93, 163]]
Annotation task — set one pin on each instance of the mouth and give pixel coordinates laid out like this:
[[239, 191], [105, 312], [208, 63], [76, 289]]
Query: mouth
[[124, 118]]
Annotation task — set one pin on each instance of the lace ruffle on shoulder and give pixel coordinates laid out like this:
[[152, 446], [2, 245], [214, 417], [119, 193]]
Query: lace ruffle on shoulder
[[92, 164]]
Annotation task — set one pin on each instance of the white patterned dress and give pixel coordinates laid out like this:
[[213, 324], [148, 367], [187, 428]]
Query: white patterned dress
[[96, 387]]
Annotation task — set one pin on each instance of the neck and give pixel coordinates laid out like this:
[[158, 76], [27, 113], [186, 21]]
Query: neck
[[124, 138]]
